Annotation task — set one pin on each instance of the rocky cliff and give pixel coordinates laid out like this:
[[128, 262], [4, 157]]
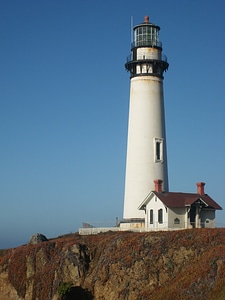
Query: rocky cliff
[[187, 264]]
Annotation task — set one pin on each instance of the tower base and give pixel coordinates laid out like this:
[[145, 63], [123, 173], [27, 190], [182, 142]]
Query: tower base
[[133, 223]]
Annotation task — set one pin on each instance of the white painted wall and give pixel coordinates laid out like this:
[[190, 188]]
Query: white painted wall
[[208, 218], [180, 213], [146, 123], [149, 53], [155, 204]]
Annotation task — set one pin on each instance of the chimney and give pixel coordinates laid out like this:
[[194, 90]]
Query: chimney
[[200, 188], [158, 185]]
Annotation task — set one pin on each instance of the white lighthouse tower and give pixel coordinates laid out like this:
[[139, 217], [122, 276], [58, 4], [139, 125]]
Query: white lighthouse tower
[[146, 143]]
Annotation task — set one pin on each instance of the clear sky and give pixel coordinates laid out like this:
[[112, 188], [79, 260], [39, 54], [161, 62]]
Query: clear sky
[[64, 101]]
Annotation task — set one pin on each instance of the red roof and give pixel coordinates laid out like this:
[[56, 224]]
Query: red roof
[[171, 199]]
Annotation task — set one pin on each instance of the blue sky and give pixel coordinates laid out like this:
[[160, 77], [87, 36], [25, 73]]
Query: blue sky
[[64, 102]]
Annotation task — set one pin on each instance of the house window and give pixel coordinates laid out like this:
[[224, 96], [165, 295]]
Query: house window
[[160, 216], [176, 221], [151, 216], [158, 150]]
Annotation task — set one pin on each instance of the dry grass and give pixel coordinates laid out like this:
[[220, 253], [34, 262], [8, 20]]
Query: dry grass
[[188, 264]]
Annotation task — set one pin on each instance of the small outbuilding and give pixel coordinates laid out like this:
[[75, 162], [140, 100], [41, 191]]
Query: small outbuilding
[[171, 210]]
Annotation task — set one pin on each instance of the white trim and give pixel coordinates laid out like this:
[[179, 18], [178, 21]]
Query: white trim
[[158, 141]]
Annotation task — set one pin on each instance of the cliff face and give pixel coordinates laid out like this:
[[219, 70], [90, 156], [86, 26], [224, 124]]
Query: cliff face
[[187, 264]]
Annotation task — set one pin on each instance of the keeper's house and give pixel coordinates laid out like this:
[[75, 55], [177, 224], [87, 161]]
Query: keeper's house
[[169, 210]]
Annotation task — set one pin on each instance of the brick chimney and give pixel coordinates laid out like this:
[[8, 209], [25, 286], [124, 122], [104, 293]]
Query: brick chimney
[[158, 185], [200, 188]]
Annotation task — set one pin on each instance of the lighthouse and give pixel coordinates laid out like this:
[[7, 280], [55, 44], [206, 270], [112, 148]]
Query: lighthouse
[[146, 159]]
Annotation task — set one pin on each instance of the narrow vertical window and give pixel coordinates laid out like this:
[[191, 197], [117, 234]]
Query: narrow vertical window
[[151, 216], [158, 144], [160, 216], [158, 150]]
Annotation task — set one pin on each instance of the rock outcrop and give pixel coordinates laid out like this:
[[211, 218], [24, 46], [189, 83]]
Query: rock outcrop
[[37, 238], [188, 264]]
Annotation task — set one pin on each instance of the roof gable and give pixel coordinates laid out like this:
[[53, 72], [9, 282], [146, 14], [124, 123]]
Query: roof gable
[[173, 199]]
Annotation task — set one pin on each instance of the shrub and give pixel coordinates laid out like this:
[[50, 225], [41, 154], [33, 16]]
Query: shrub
[[64, 289]]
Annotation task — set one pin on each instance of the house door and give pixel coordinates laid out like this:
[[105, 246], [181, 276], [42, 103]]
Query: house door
[[192, 216]]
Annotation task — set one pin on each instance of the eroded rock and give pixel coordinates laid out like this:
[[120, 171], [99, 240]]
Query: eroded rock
[[37, 238]]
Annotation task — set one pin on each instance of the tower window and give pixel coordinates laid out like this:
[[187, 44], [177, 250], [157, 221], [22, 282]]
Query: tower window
[[158, 144], [158, 150]]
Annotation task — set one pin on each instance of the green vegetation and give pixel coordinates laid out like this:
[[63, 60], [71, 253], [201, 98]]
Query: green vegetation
[[64, 289]]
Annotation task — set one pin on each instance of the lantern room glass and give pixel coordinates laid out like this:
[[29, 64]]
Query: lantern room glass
[[146, 36]]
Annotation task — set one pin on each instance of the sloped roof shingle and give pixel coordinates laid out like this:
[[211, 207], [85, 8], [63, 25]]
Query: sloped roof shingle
[[174, 199]]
